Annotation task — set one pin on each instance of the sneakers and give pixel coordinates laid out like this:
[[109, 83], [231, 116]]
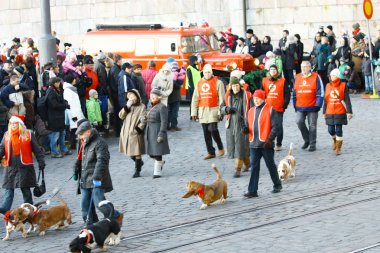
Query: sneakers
[[221, 152], [119, 219], [278, 148], [209, 156], [56, 156], [68, 152], [251, 195]]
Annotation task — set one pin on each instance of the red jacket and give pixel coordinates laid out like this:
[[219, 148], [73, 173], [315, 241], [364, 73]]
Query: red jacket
[[95, 81], [148, 76]]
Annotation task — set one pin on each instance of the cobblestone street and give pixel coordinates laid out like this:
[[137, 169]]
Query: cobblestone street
[[332, 205]]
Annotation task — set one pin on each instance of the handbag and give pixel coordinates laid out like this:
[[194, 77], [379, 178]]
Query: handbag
[[39, 190]]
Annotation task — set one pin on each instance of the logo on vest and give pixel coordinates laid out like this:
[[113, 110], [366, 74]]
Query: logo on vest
[[334, 94], [205, 87], [272, 87], [304, 83]]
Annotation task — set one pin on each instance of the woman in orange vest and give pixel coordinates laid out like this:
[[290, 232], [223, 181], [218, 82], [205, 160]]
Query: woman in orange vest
[[262, 125], [236, 107], [277, 95], [336, 109], [17, 148]]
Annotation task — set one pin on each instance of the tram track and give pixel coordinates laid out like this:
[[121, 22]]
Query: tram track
[[364, 249], [248, 210]]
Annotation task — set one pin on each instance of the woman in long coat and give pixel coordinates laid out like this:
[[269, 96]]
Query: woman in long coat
[[156, 138], [336, 109], [17, 148], [132, 132], [236, 107]]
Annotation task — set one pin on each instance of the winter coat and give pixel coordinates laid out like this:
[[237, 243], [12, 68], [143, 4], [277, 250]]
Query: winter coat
[[56, 110], [323, 52], [95, 81], [356, 48], [95, 163], [289, 53], [330, 67], [140, 86], [113, 82], [3, 114], [101, 71], [71, 96], [32, 72], [178, 76], [353, 77], [165, 84], [299, 52], [338, 119], [343, 52], [29, 108], [93, 111], [8, 90], [157, 122], [255, 50], [18, 175], [237, 141], [208, 115], [148, 75], [125, 84], [266, 47], [132, 132], [27, 81]]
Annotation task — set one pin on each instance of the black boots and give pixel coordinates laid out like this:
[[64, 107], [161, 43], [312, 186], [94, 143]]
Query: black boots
[[138, 164]]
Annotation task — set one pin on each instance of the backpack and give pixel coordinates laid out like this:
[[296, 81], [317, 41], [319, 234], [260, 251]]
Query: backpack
[[42, 107]]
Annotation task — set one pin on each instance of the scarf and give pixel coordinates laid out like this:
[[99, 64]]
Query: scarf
[[336, 82], [80, 152], [15, 140]]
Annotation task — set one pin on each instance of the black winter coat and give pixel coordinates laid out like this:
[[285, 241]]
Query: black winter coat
[[3, 114], [95, 163], [56, 110], [289, 53], [113, 78], [139, 82]]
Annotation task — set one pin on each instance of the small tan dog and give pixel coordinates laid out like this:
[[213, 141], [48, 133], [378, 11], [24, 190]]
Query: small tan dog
[[56, 215], [208, 194], [287, 166]]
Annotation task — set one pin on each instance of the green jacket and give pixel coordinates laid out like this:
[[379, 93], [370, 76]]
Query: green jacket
[[93, 110]]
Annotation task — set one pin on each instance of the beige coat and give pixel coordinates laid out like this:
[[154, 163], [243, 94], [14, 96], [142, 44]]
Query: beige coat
[[131, 141], [356, 49], [208, 114]]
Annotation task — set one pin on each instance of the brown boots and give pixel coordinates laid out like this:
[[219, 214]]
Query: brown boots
[[238, 166], [334, 142], [339, 142]]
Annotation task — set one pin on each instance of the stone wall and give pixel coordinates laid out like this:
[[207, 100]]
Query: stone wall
[[71, 18]]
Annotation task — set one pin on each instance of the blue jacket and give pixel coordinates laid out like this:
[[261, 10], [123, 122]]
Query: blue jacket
[[9, 89], [124, 85]]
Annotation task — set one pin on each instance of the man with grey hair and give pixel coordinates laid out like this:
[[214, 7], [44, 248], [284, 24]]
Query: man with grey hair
[[307, 100]]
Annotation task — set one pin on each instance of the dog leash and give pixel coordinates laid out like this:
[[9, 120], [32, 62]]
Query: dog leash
[[58, 189]]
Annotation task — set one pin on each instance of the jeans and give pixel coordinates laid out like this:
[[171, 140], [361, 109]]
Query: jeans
[[97, 196], [210, 131], [268, 154], [9, 194], [173, 114], [352, 85], [335, 130], [368, 83], [308, 135], [280, 133], [59, 137]]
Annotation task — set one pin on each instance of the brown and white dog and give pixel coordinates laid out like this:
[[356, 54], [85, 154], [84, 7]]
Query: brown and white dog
[[56, 215], [208, 194], [287, 166]]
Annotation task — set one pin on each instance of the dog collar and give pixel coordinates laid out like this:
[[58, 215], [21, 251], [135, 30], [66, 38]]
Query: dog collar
[[88, 235], [201, 192], [6, 217]]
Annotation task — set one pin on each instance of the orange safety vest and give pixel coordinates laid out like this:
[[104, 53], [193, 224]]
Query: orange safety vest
[[334, 105], [274, 92], [208, 93], [247, 96], [264, 122], [306, 90], [26, 154]]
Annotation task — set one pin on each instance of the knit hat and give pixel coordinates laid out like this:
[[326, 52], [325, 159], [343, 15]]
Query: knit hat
[[269, 54], [207, 68], [175, 65], [101, 56], [250, 31], [170, 59], [259, 94], [17, 118], [92, 93], [335, 72], [356, 26], [78, 63], [156, 91], [86, 125]]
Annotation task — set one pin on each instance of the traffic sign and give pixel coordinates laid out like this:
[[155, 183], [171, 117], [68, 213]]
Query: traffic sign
[[368, 9]]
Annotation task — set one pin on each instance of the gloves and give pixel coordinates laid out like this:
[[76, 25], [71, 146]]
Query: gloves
[[138, 130], [160, 139], [77, 169], [97, 183], [230, 109], [268, 144], [245, 130], [41, 166]]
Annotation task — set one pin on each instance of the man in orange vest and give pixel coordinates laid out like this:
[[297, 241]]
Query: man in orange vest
[[262, 124], [307, 100], [277, 95], [208, 98]]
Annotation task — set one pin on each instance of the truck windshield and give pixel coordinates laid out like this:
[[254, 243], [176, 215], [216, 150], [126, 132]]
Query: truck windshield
[[214, 41], [195, 44]]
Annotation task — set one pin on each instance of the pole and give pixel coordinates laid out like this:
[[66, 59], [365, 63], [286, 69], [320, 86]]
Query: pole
[[47, 41], [244, 15], [374, 95]]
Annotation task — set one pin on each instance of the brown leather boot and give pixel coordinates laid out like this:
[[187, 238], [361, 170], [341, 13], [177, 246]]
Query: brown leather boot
[[334, 142], [238, 166], [338, 147], [247, 164]]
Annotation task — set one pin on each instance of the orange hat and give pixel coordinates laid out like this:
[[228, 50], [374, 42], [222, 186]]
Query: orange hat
[[259, 94], [17, 118]]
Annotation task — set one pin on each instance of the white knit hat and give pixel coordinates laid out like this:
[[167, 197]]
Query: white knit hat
[[335, 72], [207, 68], [92, 93]]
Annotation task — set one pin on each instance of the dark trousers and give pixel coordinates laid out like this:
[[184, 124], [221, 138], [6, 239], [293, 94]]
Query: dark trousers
[[173, 114], [116, 121], [280, 133], [268, 154], [289, 77], [73, 138], [210, 131], [9, 194], [325, 79]]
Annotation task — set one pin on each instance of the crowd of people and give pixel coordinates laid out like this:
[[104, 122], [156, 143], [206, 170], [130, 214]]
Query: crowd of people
[[54, 109]]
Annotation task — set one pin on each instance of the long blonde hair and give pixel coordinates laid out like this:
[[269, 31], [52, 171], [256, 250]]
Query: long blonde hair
[[21, 128]]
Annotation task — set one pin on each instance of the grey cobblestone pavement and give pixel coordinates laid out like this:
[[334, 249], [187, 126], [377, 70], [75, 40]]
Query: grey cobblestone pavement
[[331, 206]]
